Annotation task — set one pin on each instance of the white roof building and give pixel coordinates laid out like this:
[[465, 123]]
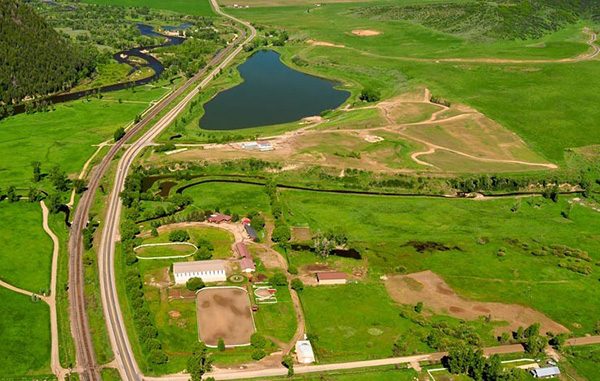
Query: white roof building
[[548, 372], [304, 352], [208, 271]]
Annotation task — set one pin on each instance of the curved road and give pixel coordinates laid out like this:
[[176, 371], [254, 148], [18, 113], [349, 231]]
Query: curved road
[[124, 357]]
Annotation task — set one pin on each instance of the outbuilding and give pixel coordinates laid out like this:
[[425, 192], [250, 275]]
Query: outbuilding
[[548, 372], [331, 277], [304, 352], [218, 218], [246, 262], [208, 271], [251, 232]]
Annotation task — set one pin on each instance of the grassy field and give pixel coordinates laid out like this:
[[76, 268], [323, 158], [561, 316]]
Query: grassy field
[[220, 239], [66, 136], [585, 361], [238, 198], [278, 320], [25, 327], [189, 7], [352, 322], [26, 252], [479, 229]]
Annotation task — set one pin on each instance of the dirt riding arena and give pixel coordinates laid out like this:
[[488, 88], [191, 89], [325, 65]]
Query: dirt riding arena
[[431, 289], [365, 32], [224, 313]]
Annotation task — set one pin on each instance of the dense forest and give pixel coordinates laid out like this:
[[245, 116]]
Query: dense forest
[[35, 59], [503, 19]]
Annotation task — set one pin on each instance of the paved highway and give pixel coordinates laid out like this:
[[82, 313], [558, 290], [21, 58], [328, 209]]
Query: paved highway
[[119, 340]]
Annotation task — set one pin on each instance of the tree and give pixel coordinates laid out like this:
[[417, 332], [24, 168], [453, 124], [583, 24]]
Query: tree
[[154, 232], [179, 236], [288, 362], [37, 171], [221, 345], [257, 222], [278, 279], [199, 362], [119, 133], [195, 284], [369, 95], [297, 285], [281, 233], [79, 185], [34, 194], [258, 341], [258, 354], [54, 202], [58, 178], [493, 368]]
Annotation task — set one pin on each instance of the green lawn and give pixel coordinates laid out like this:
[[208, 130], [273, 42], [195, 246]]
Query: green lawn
[[25, 331], [220, 239], [67, 135], [277, 320], [26, 250], [238, 198], [383, 225], [189, 7]]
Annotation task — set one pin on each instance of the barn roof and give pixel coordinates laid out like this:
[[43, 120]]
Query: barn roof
[[199, 266], [546, 372], [331, 275]]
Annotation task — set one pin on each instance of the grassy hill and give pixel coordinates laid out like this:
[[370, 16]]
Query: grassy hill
[[35, 60], [505, 19]]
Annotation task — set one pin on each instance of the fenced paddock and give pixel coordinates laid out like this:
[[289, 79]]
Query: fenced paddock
[[224, 313]]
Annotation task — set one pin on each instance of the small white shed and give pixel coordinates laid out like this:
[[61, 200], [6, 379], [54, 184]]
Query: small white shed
[[304, 352]]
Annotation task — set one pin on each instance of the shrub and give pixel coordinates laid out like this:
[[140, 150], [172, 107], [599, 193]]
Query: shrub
[[119, 133], [195, 284], [221, 345], [179, 236], [293, 270], [157, 356], [281, 233], [419, 307]]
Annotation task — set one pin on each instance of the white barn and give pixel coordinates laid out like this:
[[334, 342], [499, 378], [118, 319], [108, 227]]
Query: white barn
[[304, 352], [549, 372], [208, 271]]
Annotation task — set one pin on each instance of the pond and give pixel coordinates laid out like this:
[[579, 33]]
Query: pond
[[271, 93]]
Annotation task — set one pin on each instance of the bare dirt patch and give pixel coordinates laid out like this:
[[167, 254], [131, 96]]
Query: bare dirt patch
[[365, 32], [224, 313], [324, 43], [440, 298], [300, 233]]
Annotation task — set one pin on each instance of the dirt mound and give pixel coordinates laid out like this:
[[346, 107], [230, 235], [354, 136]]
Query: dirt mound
[[365, 32], [440, 298]]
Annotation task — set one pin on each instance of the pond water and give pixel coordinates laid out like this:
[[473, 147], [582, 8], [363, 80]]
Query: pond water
[[271, 93]]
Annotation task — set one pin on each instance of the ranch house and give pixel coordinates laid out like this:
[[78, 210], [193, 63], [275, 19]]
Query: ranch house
[[331, 277], [208, 271], [219, 218]]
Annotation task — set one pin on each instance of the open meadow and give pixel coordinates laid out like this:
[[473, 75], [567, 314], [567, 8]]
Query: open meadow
[[26, 250], [25, 327], [69, 135]]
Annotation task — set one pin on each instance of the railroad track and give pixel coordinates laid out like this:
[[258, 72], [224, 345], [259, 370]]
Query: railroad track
[[86, 357]]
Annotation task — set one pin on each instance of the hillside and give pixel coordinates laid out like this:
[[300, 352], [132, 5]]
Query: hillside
[[35, 59], [505, 19]]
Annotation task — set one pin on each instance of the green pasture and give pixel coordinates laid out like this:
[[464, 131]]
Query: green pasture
[[237, 198], [474, 231], [26, 250], [25, 330], [68, 135], [190, 7], [584, 360]]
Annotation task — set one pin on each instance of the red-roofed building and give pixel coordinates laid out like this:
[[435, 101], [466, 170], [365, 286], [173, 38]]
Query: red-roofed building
[[331, 277], [247, 263], [219, 218]]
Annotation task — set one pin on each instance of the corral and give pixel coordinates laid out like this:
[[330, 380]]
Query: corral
[[224, 313]]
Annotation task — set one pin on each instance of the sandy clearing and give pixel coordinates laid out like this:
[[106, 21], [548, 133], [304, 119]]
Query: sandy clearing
[[324, 43], [365, 32], [436, 294], [224, 313]]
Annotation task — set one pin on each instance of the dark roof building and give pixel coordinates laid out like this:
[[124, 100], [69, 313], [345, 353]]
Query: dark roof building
[[251, 232]]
